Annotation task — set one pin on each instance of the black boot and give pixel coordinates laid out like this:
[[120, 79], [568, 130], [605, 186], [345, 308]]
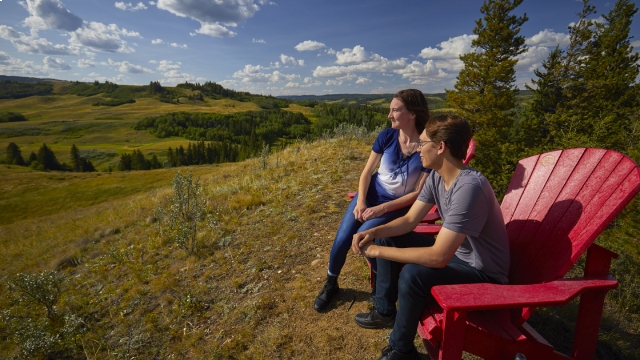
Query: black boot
[[329, 289]]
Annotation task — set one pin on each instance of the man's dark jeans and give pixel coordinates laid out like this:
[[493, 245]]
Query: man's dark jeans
[[411, 287]]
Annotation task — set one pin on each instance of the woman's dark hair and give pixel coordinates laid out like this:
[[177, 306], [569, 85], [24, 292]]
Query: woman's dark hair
[[416, 103], [453, 130]]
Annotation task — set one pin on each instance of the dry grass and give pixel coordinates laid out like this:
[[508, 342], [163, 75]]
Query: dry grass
[[249, 299], [248, 293]]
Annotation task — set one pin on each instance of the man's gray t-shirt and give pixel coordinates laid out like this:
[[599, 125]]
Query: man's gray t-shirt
[[470, 207]]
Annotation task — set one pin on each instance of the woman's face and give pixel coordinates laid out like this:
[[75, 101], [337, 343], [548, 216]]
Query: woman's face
[[400, 117]]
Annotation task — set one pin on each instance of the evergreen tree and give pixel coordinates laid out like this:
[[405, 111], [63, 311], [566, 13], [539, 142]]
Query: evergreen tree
[[76, 160], [87, 166], [485, 91], [48, 159], [33, 157], [14, 155], [125, 162], [602, 93], [532, 134]]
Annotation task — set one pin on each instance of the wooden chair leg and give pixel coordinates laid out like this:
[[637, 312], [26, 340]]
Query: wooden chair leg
[[453, 325], [588, 324]]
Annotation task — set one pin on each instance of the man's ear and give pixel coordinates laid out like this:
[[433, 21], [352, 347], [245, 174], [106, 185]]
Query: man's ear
[[442, 147]]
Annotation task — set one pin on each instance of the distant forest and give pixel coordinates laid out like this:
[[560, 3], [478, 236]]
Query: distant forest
[[236, 137]]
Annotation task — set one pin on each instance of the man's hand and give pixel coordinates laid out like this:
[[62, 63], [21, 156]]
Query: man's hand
[[361, 241]]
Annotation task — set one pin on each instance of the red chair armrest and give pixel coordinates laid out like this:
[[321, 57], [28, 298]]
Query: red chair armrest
[[486, 296], [351, 195]]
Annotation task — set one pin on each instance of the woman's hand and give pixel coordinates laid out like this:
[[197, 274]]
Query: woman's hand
[[373, 212], [359, 211]]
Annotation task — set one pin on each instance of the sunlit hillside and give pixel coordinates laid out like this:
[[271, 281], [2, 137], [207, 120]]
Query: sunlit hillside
[[128, 290]]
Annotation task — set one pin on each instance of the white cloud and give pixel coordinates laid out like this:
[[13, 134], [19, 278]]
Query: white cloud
[[86, 63], [9, 65], [176, 77], [292, 85], [363, 80], [55, 64], [157, 41], [4, 58], [420, 74], [309, 45], [635, 44], [215, 30], [356, 56], [548, 37], [50, 14], [214, 16], [122, 6], [447, 55], [176, 45], [361, 61], [532, 58], [103, 37], [255, 74], [260, 41], [167, 65], [152, 3], [450, 49], [333, 83], [290, 60], [127, 67], [330, 51], [35, 45]]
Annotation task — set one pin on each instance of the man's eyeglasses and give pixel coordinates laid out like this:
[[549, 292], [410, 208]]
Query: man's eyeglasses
[[420, 143]]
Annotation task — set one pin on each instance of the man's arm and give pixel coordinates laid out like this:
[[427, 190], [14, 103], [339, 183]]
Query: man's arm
[[436, 256], [399, 226]]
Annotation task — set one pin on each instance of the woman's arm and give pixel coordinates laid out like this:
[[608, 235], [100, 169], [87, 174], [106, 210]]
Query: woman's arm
[[363, 185], [399, 203]]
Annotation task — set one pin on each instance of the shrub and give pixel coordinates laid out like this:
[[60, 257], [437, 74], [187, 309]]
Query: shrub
[[11, 117], [186, 209]]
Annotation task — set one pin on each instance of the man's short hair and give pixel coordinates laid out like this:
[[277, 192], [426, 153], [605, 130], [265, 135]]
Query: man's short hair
[[451, 129]]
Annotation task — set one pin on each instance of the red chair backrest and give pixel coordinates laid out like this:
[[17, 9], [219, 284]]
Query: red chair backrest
[[471, 152], [558, 203]]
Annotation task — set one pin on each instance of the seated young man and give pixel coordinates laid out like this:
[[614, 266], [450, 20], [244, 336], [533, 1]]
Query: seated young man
[[471, 247]]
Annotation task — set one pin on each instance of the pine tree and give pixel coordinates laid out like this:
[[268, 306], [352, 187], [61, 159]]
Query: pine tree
[[14, 155], [588, 96], [532, 134], [48, 159], [485, 91], [76, 160]]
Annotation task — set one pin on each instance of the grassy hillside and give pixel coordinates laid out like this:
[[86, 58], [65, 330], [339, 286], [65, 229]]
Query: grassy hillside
[[248, 292]]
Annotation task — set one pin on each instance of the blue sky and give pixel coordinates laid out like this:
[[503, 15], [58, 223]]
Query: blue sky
[[274, 47]]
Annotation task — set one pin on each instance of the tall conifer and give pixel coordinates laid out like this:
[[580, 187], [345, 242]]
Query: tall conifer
[[485, 91]]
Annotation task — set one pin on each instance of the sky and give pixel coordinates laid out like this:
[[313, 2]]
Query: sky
[[279, 47]]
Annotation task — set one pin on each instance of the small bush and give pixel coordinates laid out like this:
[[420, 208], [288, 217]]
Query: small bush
[[11, 117], [186, 208]]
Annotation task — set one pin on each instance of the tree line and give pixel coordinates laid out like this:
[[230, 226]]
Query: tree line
[[584, 96], [10, 89], [46, 159]]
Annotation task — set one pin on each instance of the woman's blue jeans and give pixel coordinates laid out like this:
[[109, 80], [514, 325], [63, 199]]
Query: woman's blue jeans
[[349, 227], [411, 286]]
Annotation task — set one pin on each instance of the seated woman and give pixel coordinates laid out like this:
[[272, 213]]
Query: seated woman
[[388, 193]]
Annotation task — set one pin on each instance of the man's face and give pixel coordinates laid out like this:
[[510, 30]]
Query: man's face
[[428, 150]]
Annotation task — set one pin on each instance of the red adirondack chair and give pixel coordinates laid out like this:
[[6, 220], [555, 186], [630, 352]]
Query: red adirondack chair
[[556, 205]]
